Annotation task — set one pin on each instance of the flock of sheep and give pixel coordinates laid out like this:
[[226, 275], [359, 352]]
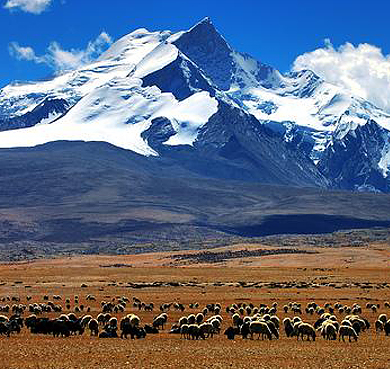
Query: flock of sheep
[[331, 321]]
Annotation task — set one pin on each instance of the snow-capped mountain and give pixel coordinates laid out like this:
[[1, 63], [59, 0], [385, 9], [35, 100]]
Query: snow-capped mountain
[[191, 97]]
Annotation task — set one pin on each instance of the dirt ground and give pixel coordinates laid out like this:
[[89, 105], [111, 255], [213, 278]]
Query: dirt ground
[[345, 275]]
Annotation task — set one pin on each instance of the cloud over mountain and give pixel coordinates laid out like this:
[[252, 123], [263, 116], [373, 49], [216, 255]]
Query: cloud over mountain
[[363, 69], [58, 58]]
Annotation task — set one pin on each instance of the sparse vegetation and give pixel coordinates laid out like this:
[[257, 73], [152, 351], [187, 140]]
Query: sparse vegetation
[[171, 289]]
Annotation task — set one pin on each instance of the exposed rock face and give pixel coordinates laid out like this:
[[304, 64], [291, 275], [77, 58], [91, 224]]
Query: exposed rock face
[[47, 111], [356, 158]]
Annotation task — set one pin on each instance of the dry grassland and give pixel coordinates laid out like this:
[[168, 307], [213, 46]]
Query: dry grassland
[[230, 282]]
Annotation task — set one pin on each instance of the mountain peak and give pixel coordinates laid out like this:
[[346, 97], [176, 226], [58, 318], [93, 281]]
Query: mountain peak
[[208, 49], [205, 20], [205, 28]]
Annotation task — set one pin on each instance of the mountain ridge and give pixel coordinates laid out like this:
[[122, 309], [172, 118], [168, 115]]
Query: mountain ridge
[[273, 128]]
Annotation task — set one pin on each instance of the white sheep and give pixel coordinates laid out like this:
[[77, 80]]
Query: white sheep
[[328, 330], [346, 330], [183, 320], [85, 320], [306, 329], [160, 320], [236, 318], [199, 318], [134, 320], [206, 330], [191, 319], [261, 328], [274, 319], [93, 326], [184, 331], [216, 324], [193, 331], [379, 325]]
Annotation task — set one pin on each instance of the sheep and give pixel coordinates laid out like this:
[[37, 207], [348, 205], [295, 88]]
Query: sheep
[[247, 319], [193, 331], [319, 322], [379, 325], [329, 330], [216, 325], [93, 326], [346, 322], [85, 320], [199, 318], [206, 328], [274, 319], [160, 320], [63, 317], [134, 331], [386, 328], [304, 329], [288, 327], [176, 306], [357, 327], [101, 318], [30, 320], [106, 318], [244, 330], [182, 320], [296, 319], [72, 316], [149, 307], [218, 317], [184, 331], [236, 319], [149, 329], [191, 319], [273, 328], [113, 322], [261, 328], [266, 317], [230, 333], [346, 330], [134, 320]]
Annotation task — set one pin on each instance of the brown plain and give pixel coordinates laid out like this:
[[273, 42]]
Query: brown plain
[[347, 275]]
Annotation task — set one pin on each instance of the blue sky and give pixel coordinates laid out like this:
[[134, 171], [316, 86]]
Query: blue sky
[[275, 32]]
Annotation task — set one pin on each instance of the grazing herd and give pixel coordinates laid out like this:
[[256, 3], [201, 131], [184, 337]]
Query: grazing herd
[[329, 321]]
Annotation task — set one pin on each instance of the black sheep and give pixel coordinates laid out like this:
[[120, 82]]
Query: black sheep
[[230, 333]]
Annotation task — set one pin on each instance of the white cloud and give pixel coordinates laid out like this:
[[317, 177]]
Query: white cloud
[[29, 6], [362, 69], [22, 52], [60, 59]]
